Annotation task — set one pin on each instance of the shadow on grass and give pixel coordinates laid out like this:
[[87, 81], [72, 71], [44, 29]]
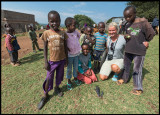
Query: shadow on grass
[[31, 58], [64, 87]]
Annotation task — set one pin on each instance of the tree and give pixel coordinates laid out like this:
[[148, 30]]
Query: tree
[[82, 19], [149, 10]]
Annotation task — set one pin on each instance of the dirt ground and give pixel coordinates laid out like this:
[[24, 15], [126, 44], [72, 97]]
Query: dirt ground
[[26, 47], [25, 44]]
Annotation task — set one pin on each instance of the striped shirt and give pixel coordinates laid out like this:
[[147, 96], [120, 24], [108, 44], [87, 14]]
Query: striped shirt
[[100, 41]]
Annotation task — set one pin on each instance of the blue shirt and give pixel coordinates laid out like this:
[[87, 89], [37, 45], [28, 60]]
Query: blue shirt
[[100, 41]]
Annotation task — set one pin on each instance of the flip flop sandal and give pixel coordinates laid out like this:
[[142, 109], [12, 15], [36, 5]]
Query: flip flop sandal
[[69, 86], [78, 82], [136, 92], [120, 82]]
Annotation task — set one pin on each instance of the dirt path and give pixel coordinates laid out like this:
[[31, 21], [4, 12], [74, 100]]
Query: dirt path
[[26, 47]]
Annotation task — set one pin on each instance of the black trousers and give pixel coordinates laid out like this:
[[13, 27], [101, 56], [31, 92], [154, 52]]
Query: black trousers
[[14, 56]]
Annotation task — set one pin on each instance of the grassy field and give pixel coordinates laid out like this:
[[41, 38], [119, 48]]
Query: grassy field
[[21, 90]]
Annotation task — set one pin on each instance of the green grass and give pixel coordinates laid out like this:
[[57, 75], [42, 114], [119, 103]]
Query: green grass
[[21, 90]]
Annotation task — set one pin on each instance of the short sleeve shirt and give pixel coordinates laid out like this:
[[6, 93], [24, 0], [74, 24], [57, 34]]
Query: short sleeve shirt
[[32, 35], [118, 47], [73, 43], [55, 44], [100, 41]]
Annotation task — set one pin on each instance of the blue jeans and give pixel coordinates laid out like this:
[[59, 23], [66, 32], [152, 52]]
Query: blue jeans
[[72, 61]]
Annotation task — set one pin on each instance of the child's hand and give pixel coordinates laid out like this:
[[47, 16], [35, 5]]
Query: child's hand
[[90, 73], [146, 44], [68, 49], [85, 74], [47, 66], [127, 36], [66, 63]]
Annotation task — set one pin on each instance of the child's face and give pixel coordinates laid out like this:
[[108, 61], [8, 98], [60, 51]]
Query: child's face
[[101, 27], [89, 31], [9, 30], [85, 50], [54, 21], [72, 27], [129, 15]]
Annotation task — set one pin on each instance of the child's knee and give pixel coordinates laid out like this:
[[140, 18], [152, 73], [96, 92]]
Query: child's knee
[[115, 68], [89, 81], [103, 77]]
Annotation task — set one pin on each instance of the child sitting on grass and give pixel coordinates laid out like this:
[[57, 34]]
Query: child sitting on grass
[[85, 73]]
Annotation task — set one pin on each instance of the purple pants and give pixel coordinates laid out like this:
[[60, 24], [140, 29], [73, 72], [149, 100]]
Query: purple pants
[[59, 67]]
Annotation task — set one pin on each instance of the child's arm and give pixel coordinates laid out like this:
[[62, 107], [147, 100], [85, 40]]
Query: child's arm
[[66, 48], [66, 51], [80, 68], [149, 32], [8, 43], [30, 36], [90, 65], [47, 67], [106, 44]]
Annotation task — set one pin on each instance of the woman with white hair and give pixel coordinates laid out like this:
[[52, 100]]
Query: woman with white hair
[[114, 58]]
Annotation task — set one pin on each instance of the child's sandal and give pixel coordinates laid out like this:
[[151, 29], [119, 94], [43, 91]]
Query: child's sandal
[[69, 86], [136, 92], [120, 82], [78, 82]]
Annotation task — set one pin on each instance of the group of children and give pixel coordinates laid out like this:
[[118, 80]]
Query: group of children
[[12, 45], [74, 50], [65, 49]]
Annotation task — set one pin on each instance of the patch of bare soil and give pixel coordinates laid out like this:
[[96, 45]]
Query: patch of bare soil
[[26, 47]]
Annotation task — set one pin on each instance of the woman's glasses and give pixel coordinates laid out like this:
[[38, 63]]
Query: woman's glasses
[[112, 46]]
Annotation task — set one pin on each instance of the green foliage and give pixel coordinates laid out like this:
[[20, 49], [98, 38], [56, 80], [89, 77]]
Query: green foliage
[[146, 9], [82, 19], [109, 21]]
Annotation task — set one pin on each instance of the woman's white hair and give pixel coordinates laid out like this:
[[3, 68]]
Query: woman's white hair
[[115, 25]]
